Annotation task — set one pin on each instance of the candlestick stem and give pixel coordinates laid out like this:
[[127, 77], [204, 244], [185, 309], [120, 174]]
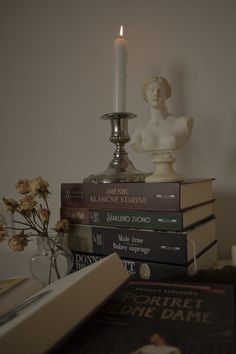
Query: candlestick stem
[[120, 169]]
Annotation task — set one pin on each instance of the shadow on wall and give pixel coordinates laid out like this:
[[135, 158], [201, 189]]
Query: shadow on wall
[[2, 219], [178, 85], [225, 210]]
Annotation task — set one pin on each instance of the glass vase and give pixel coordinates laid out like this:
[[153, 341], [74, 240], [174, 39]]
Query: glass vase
[[52, 260]]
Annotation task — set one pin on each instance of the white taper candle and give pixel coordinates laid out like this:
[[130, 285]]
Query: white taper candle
[[120, 73]]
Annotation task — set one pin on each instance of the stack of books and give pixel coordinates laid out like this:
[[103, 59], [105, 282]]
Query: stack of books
[[160, 230]]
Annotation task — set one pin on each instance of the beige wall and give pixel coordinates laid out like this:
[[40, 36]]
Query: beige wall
[[56, 81]]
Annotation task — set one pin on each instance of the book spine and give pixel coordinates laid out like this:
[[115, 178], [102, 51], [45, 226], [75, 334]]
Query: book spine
[[159, 246], [137, 244], [167, 247], [138, 270], [124, 218], [139, 196]]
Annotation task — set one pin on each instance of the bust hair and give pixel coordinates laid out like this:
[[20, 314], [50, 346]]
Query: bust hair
[[163, 81]]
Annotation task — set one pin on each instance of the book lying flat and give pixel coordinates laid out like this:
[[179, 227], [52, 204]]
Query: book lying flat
[[141, 219], [145, 270], [39, 322], [173, 247], [164, 196], [159, 317]]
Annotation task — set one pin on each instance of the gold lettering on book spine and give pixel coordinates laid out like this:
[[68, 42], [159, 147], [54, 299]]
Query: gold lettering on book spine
[[117, 199], [117, 191]]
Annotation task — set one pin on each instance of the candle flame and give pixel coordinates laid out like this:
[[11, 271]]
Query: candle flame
[[121, 31]]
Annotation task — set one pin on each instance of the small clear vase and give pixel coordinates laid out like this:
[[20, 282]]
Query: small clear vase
[[52, 260]]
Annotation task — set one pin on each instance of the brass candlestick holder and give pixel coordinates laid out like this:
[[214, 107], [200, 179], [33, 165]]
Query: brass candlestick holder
[[120, 169]]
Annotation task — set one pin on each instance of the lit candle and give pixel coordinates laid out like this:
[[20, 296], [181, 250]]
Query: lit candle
[[120, 75]]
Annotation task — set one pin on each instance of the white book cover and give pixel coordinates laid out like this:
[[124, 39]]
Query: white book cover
[[38, 323]]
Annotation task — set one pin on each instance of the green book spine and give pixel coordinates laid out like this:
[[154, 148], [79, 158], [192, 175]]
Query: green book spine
[[125, 218]]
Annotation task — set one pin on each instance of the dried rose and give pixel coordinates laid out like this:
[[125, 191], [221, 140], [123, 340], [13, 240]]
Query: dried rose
[[26, 205], [44, 215], [3, 233], [18, 242], [38, 186], [62, 225], [22, 186], [10, 204]]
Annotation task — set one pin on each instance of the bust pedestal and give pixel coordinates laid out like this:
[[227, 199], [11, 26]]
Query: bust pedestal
[[163, 161]]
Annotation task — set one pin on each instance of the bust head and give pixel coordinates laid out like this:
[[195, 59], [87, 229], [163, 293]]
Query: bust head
[[156, 91]]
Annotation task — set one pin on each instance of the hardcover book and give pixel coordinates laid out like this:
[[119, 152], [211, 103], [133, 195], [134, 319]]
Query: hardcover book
[[164, 196], [145, 270], [140, 219], [151, 245], [15, 290], [159, 317], [40, 321]]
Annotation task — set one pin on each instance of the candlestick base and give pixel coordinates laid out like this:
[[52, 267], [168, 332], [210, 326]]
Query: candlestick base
[[120, 169]]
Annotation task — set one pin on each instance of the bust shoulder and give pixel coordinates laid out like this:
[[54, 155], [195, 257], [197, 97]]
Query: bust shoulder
[[136, 139], [184, 122], [188, 121]]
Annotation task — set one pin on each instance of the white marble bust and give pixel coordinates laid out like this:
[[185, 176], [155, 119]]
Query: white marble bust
[[163, 131]]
